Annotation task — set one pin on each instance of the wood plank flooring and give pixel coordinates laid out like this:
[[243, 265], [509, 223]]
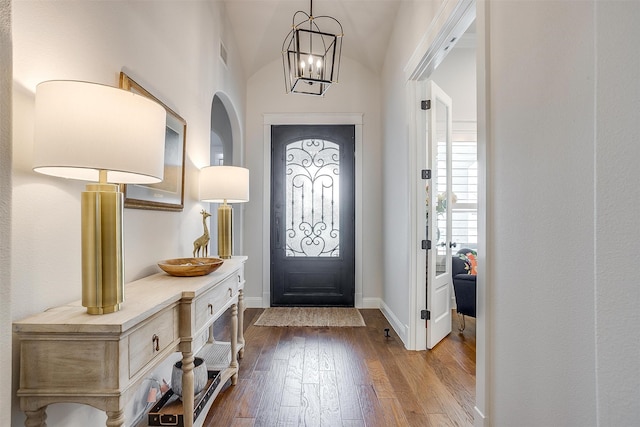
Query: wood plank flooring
[[331, 377]]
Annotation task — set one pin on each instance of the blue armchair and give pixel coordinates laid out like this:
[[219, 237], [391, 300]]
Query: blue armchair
[[464, 284]]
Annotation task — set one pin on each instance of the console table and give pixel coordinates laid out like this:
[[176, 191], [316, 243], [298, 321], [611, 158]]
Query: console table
[[67, 355]]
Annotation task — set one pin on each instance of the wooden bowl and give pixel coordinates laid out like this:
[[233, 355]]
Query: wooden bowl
[[189, 267]]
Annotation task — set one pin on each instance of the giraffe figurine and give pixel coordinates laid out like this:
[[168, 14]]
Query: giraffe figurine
[[202, 242]]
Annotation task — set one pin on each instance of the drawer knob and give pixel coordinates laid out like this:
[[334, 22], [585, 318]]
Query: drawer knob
[[230, 292], [156, 341], [210, 308]]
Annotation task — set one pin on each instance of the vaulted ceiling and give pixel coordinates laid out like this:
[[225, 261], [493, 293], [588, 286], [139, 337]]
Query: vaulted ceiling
[[260, 26]]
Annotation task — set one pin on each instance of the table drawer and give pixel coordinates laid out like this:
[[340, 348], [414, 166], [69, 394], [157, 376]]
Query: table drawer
[[212, 301], [151, 339]]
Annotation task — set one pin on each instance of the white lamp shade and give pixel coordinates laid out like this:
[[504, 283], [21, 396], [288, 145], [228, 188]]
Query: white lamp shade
[[224, 183], [82, 128]]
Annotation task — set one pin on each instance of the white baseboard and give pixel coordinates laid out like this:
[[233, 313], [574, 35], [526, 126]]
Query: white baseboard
[[395, 323], [479, 419], [253, 302], [370, 303]]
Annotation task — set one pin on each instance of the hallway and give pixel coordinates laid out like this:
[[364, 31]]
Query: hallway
[[347, 377]]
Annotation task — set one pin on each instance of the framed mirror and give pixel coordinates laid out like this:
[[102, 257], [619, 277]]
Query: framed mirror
[[167, 195]]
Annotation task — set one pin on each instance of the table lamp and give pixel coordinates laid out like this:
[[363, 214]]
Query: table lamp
[[92, 132], [224, 184]]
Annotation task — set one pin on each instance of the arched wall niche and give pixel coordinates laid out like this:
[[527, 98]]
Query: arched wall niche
[[226, 148]]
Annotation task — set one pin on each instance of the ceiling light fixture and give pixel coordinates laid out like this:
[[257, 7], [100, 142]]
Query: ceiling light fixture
[[310, 56]]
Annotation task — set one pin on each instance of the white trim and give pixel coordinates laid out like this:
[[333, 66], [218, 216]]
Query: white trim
[[483, 315], [253, 302], [401, 330], [479, 420], [451, 21], [355, 119], [266, 218], [416, 336], [371, 303], [417, 57]]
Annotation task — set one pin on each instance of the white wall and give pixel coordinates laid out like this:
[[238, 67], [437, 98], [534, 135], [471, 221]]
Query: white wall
[[170, 48], [412, 21], [5, 208], [540, 246], [562, 209], [617, 228], [357, 92]]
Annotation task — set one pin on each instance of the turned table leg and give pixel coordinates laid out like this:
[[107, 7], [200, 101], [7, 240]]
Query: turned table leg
[[234, 343], [187, 388], [241, 308], [37, 418], [115, 418]]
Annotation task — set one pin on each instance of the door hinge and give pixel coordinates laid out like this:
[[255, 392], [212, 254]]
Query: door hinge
[[426, 173], [425, 314], [426, 244], [425, 105]]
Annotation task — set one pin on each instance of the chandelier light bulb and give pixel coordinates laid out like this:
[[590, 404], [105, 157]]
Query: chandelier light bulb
[[318, 64]]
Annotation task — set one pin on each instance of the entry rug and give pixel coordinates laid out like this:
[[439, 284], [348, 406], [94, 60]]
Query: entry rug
[[310, 316]]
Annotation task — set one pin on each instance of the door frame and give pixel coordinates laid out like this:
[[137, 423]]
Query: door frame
[[451, 16], [433, 51], [355, 119]]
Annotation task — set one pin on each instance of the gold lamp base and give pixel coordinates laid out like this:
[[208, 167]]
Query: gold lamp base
[[225, 234], [102, 248]]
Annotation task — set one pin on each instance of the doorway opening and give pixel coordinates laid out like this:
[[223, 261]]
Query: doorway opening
[[467, 17], [453, 222], [313, 215], [450, 151], [351, 119]]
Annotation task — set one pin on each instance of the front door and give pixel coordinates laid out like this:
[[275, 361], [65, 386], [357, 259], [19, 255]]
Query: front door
[[312, 215]]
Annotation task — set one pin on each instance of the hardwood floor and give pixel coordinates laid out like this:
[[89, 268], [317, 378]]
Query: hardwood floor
[[347, 377]]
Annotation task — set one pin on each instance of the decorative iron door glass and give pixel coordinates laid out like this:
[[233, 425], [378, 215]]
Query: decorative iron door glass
[[313, 208], [312, 212]]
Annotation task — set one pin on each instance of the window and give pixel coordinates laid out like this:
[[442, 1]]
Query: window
[[464, 184]]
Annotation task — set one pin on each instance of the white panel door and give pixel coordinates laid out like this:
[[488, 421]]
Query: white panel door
[[439, 215]]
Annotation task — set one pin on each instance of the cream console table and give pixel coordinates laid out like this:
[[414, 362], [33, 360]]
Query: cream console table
[[67, 355]]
